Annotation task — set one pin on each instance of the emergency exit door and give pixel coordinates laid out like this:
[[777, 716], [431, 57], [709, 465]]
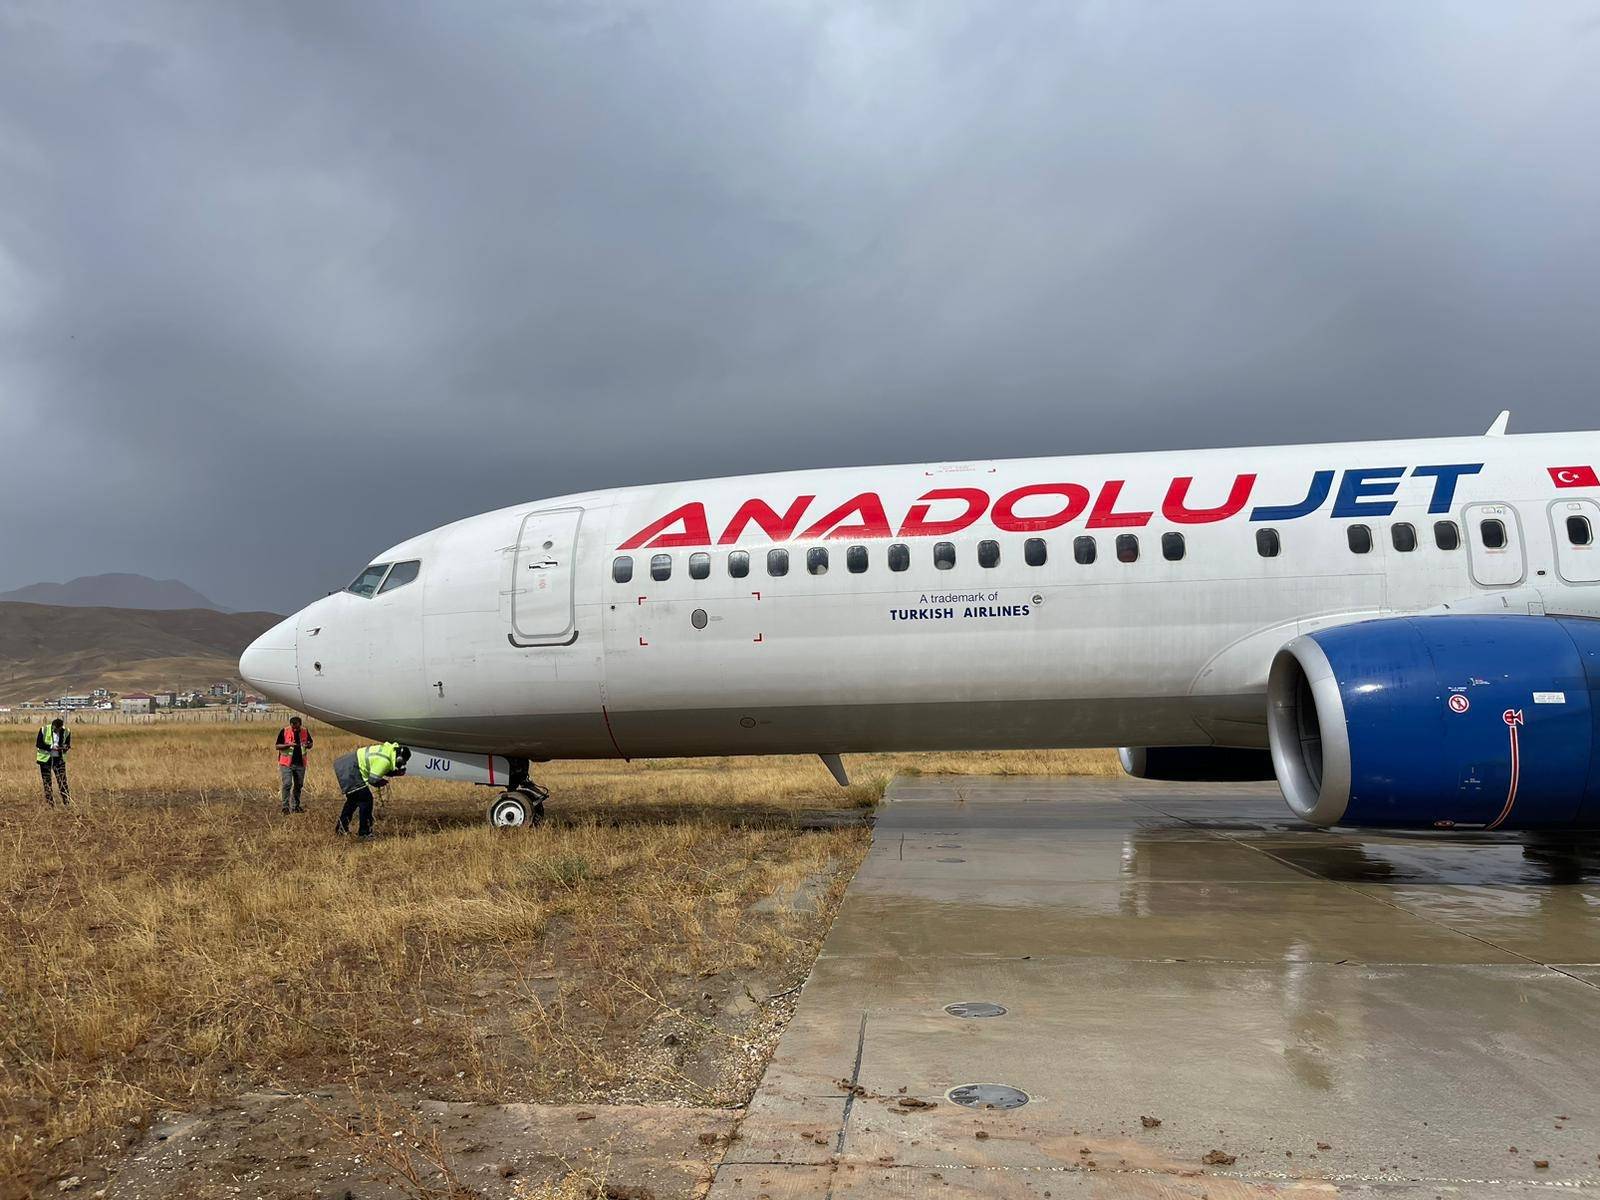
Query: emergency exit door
[[1494, 544], [1575, 525], [544, 578]]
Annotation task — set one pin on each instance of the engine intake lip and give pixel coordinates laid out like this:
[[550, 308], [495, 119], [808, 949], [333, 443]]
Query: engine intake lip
[[1307, 734]]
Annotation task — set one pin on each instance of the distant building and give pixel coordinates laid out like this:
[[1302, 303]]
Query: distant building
[[222, 691], [166, 699], [74, 702], [138, 702]]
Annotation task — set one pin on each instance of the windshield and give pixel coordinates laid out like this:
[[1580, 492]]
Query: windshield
[[402, 574], [367, 582]]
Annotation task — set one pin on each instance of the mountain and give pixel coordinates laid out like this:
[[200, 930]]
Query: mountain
[[113, 591], [46, 650]]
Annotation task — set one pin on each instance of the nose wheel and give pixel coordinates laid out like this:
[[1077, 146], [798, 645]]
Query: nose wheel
[[518, 808]]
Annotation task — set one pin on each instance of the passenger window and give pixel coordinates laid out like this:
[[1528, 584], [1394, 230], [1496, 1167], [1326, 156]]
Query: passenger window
[[988, 554], [855, 559], [1172, 547], [1360, 539], [401, 574], [1404, 537], [944, 555], [622, 568], [1268, 543], [366, 583], [817, 560], [1579, 532], [1494, 534], [738, 563], [1034, 552], [777, 562], [1447, 535], [1127, 547], [699, 565], [899, 556], [1083, 550], [661, 567]]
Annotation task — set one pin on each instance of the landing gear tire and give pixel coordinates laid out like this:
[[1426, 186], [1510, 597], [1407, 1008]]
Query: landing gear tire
[[516, 809]]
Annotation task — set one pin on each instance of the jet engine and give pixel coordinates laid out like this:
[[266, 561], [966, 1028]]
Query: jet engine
[[1196, 764], [1440, 722]]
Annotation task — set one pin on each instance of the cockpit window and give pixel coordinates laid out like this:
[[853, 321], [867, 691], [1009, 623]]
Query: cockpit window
[[366, 583], [401, 574]]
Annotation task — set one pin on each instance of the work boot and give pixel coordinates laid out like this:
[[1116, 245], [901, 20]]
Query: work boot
[[339, 829], [284, 810], [297, 808]]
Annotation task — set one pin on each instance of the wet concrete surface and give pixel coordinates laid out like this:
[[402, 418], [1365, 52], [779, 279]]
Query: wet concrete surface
[[1328, 1012]]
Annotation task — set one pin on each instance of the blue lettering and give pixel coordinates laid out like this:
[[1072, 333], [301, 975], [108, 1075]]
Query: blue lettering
[[438, 764], [1321, 485], [1361, 482], [1445, 478]]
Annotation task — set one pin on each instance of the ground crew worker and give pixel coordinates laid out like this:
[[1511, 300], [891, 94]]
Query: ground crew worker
[[293, 742], [358, 773], [50, 750]]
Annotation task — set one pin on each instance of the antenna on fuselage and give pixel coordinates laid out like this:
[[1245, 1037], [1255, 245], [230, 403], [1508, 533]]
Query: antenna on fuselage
[[1498, 429]]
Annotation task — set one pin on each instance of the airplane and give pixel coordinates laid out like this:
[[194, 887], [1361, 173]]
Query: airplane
[[1403, 634]]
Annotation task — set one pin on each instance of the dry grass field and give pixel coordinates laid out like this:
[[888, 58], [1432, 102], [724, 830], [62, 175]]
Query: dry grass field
[[172, 938]]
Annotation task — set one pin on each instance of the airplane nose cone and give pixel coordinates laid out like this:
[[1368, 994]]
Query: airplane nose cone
[[270, 666]]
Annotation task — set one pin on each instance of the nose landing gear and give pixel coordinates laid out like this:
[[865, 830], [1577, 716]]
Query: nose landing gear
[[519, 807]]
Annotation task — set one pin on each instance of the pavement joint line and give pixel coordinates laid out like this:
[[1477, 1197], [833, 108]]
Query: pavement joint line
[[1066, 960], [1379, 899], [849, 1102]]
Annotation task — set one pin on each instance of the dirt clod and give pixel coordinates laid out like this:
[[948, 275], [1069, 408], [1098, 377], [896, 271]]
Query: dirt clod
[[1150, 1122], [1542, 1164], [1219, 1158]]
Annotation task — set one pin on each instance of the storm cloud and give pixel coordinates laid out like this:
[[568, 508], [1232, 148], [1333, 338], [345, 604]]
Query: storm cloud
[[283, 284]]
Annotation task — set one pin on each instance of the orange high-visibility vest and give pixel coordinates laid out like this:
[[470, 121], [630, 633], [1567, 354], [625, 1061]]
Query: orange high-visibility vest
[[289, 734]]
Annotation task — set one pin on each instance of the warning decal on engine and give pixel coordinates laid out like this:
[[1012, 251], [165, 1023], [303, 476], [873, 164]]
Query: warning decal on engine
[[1549, 697]]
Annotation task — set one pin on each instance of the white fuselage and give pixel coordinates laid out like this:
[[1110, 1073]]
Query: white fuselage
[[521, 636]]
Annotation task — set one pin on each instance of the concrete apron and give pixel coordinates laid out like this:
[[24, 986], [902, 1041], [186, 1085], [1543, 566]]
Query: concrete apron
[[1188, 974]]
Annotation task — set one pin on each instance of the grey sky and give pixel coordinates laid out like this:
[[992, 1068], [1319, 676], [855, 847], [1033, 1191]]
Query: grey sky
[[282, 284]]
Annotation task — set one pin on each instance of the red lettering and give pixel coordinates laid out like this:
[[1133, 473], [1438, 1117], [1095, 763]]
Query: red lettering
[[693, 518], [1174, 508], [779, 529], [873, 523], [1005, 516], [1105, 515], [917, 523]]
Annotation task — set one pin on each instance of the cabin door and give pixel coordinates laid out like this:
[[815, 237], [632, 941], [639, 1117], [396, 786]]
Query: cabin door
[[543, 578], [1575, 525], [1494, 544]]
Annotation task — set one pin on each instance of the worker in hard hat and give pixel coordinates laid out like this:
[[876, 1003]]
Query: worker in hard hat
[[358, 773]]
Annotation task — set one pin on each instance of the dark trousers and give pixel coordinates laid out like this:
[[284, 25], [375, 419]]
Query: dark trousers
[[357, 801], [291, 781], [59, 767]]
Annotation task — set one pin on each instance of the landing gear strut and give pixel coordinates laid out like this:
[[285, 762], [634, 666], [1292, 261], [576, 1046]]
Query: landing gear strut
[[522, 804]]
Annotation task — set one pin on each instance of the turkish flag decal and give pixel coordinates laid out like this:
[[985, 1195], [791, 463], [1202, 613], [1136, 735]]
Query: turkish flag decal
[[1574, 476]]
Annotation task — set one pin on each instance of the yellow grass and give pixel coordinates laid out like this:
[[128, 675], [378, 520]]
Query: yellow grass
[[173, 937]]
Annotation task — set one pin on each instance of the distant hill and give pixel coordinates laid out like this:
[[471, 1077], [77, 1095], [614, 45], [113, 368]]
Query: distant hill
[[46, 650], [113, 591]]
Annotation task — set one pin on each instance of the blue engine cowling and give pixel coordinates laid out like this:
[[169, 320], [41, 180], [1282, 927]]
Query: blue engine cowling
[[1441, 722]]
